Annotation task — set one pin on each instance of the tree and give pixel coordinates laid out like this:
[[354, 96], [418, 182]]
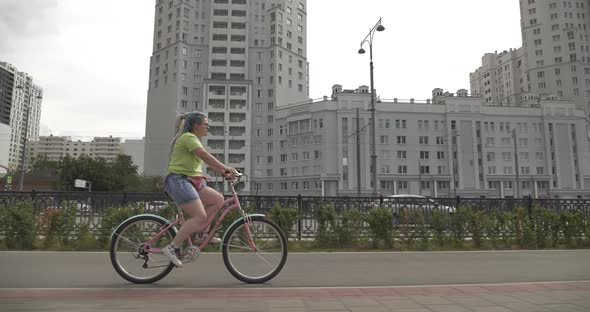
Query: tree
[[117, 175]]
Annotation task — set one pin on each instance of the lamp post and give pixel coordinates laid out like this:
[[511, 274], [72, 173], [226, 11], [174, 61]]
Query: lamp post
[[24, 152], [369, 39]]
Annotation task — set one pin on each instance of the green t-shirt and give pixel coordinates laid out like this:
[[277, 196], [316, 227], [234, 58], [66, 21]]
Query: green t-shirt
[[183, 160]]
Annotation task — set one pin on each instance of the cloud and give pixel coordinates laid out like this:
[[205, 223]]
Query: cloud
[[26, 19]]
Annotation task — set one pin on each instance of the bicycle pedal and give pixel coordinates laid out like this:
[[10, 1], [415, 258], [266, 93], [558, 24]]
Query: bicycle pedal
[[191, 254]]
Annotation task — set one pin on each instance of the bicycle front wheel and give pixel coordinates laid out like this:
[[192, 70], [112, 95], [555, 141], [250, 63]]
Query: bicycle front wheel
[[133, 258], [254, 266]]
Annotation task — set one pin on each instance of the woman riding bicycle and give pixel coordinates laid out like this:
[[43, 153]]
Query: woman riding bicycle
[[185, 183]]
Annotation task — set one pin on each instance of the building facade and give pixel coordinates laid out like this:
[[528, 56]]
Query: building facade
[[235, 60], [553, 62], [442, 147], [20, 109], [135, 149], [55, 148]]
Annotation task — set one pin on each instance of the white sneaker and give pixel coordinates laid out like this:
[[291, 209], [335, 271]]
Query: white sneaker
[[201, 237], [172, 254]]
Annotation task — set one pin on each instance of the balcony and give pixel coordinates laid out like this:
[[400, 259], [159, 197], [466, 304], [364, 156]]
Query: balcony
[[237, 131], [237, 104], [237, 91], [237, 159], [217, 90], [217, 117], [217, 103], [217, 131], [237, 145], [216, 144], [237, 117]]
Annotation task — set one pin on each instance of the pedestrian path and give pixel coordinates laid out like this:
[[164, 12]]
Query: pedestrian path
[[512, 297]]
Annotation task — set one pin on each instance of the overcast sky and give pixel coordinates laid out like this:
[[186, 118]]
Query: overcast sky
[[92, 57]]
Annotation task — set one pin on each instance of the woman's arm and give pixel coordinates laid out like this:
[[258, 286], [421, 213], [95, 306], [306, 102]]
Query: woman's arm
[[212, 162]]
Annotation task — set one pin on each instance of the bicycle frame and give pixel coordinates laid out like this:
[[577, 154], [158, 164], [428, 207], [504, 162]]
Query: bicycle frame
[[222, 213]]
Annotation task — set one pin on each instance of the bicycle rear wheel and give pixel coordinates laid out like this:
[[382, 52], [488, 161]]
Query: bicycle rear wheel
[[255, 266], [130, 254]]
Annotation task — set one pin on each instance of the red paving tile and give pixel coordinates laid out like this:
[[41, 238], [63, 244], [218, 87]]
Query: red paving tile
[[444, 290]]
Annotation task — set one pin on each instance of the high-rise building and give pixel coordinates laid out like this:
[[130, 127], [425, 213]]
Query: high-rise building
[[236, 61], [553, 62], [20, 109]]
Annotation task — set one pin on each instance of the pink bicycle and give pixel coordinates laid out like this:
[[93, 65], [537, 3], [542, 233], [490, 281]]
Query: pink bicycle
[[254, 248]]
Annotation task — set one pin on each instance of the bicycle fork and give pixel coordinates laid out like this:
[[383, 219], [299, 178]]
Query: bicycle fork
[[247, 223]]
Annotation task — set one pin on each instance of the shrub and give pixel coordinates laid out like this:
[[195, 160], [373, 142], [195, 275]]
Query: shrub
[[571, 224], [348, 231], [439, 225], [284, 217], [421, 229], [523, 230], [326, 219], [459, 225], [380, 221], [85, 239], [494, 227], [19, 225], [542, 220], [60, 227], [112, 219], [407, 232], [477, 221]]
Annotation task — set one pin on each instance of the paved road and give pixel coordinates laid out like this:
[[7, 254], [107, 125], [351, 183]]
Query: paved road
[[93, 270], [512, 281]]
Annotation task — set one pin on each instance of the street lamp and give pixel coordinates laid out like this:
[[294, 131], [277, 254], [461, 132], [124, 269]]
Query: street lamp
[[24, 152], [369, 39]]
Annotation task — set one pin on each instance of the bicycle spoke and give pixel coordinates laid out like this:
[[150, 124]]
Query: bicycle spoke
[[239, 247], [133, 258], [255, 266]]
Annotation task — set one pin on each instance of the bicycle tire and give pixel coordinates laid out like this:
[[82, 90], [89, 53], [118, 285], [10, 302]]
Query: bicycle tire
[[120, 236], [275, 249]]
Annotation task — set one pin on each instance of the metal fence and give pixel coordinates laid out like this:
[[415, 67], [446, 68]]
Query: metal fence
[[92, 206]]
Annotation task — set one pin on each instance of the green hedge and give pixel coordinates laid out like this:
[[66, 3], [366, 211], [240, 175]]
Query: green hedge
[[21, 228]]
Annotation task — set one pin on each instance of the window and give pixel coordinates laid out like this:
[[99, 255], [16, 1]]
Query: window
[[424, 155], [423, 140], [402, 155], [401, 139], [402, 169]]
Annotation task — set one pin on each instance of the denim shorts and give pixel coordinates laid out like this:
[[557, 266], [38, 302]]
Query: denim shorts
[[181, 189]]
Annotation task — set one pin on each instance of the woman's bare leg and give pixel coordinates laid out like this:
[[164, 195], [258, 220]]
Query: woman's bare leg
[[195, 223], [213, 202]]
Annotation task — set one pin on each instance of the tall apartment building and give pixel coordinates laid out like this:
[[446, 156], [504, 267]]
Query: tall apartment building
[[445, 146], [20, 109], [235, 60], [553, 62], [57, 147]]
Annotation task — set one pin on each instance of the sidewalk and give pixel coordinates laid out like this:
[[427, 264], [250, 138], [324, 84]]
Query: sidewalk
[[513, 297]]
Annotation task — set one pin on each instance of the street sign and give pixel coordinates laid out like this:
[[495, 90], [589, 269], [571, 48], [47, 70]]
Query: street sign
[[80, 183]]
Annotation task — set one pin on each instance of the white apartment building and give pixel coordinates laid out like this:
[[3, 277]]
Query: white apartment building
[[57, 147], [235, 60], [445, 146], [20, 109], [553, 62]]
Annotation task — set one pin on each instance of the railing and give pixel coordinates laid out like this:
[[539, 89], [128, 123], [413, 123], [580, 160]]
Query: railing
[[92, 206]]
